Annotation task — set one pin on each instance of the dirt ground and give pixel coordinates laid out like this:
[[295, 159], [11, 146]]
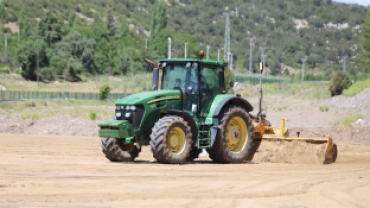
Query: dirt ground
[[71, 171]]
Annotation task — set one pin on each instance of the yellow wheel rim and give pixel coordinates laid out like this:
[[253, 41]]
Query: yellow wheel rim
[[176, 140], [127, 147], [236, 135]]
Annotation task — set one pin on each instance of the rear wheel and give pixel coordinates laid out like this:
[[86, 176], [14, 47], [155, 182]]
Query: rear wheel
[[235, 137], [171, 140], [116, 151]]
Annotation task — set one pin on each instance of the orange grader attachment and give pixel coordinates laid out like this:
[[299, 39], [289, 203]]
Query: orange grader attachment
[[325, 151]]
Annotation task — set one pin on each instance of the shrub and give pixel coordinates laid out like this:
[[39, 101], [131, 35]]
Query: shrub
[[339, 82], [92, 116], [104, 92], [47, 73], [245, 92], [18, 71], [5, 70]]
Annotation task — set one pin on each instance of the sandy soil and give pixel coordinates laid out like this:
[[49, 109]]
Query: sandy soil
[[71, 171]]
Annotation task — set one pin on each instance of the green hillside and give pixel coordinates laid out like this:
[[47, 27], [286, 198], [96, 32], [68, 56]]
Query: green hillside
[[110, 36]]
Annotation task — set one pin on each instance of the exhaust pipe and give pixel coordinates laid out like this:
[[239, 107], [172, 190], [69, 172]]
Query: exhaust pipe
[[155, 73]]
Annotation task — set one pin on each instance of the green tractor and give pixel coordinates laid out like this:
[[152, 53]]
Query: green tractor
[[188, 112]]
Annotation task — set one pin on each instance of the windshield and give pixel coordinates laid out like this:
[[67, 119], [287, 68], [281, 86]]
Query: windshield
[[179, 76]]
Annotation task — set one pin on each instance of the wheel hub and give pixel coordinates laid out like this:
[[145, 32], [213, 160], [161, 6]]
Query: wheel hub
[[176, 140], [236, 134]]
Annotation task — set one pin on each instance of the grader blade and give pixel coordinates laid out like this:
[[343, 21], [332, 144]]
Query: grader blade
[[273, 144]]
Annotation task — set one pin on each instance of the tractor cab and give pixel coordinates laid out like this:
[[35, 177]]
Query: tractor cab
[[199, 81]]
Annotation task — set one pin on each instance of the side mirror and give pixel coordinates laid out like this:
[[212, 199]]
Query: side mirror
[[147, 67]]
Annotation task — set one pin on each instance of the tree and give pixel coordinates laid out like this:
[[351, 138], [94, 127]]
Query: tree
[[78, 53], [50, 28], [27, 58], [122, 65], [365, 40], [111, 26], [3, 15], [159, 21], [339, 82], [23, 26], [160, 42], [154, 24], [71, 18]]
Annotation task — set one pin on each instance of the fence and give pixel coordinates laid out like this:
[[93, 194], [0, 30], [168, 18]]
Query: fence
[[269, 80], [256, 79], [27, 95]]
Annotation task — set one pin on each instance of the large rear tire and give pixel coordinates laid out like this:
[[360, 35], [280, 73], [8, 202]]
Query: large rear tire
[[116, 151], [235, 137], [171, 140]]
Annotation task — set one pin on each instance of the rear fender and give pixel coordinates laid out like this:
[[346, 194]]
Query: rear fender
[[221, 105]]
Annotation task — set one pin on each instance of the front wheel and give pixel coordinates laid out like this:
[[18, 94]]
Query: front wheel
[[171, 140], [116, 151], [235, 137]]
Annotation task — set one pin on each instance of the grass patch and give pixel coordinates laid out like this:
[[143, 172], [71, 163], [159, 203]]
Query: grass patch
[[356, 88], [303, 90], [347, 121]]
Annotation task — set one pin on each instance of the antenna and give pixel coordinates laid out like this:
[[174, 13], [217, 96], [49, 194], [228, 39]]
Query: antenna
[[227, 34]]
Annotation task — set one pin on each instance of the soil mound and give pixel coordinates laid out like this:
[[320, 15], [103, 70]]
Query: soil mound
[[294, 152]]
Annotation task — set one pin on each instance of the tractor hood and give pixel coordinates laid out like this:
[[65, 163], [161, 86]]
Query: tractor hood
[[147, 98]]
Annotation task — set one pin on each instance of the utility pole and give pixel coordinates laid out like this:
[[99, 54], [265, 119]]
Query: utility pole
[[169, 48], [230, 57], [37, 59], [262, 48], [303, 62], [6, 50], [218, 56], [207, 52], [227, 33], [250, 55], [264, 62], [186, 49], [344, 63]]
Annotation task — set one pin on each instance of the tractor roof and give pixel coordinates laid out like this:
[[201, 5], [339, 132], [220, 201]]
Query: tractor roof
[[212, 62]]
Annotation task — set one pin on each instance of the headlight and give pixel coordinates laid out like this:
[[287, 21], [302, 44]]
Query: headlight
[[118, 107], [131, 108], [127, 115], [118, 115]]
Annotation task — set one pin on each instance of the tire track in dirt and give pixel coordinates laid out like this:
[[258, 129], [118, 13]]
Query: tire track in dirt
[[42, 170]]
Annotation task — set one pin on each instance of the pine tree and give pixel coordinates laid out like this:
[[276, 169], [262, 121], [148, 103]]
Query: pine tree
[[3, 15], [71, 18], [161, 21], [365, 40], [50, 29], [154, 23], [111, 25], [23, 26]]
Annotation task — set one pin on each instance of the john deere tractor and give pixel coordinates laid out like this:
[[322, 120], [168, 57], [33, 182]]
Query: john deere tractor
[[187, 112]]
